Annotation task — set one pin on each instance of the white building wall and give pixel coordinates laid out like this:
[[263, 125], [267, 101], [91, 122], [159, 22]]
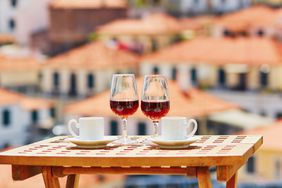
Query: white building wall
[[15, 133], [82, 82], [46, 81], [269, 104], [64, 81], [29, 16], [191, 6], [229, 5], [146, 68]]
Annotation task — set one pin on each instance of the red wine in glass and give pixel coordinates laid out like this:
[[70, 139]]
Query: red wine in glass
[[155, 110], [124, 108]]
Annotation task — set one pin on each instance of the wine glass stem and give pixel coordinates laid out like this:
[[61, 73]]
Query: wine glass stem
[[156, 128], [124, 129]]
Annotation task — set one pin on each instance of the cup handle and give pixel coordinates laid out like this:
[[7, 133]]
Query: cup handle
[[70, 127], [195, 127]]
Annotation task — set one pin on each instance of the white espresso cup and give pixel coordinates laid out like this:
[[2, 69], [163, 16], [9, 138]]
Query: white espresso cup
[[90, 128], [177, 128]]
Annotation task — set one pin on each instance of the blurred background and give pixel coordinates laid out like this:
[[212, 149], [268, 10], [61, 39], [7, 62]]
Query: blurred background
[[223, 59]]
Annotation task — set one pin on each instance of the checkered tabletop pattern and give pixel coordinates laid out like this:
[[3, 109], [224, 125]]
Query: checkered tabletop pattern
[[206, 148]]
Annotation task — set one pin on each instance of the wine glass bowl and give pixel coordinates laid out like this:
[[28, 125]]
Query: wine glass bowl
[[155, 102], [155, 110], [124, 100], [124, 108]]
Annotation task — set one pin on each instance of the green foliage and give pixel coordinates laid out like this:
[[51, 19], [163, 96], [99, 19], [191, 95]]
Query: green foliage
[[140, 3], [93, 36]]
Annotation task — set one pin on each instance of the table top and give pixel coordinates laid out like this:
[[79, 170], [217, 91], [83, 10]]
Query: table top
[[216, 150]]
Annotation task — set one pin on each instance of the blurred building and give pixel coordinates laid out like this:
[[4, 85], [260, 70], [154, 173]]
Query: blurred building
[[72, 21], [19, 113], [186, 7], [235, 64], [20, 18], [190, 103], [20, 73], [194, 7], [150, 33], [266, 165], [85, 70], [272, 3], [139, 8], [197, 26], [260, 21], [225, 65]]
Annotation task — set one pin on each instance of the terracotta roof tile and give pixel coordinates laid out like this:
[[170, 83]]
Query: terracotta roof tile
[[7, 38], [95, 55], [256, 16], [18, 64], [88, 4], [7, 97], [153, 24], [250, 51], [194, 104], [271, 136], [196, 23], [26, 102]]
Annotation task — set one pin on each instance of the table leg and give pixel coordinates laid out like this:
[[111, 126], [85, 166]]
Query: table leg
[[204, 178], [232, 182], [49, 180], [72, 181]]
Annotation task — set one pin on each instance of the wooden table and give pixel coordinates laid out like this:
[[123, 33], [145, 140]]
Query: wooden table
[[56, 158]]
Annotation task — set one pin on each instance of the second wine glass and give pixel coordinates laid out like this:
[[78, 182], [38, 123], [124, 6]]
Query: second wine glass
[[155, 99]]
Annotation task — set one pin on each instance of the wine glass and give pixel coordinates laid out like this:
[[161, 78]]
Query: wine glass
[[155, 99], [124, 100]]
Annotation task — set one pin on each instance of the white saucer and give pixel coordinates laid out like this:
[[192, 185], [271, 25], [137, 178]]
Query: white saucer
[[95, 144], [173, 144]]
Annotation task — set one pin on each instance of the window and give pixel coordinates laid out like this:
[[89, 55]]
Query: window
[[40, 76], [6, 118], [226, 33], [156, 2], [156, 70], [194, 75], [223, 1], [263, 113], [114, 127], [196, 2], [251, 165], [56, 79], [73, 85], [154, 45], [142, 128], [34, 116], [90, 81], [260, 33], [263, 77], [12, 24], [221, 77], [14, 3], [53, 112], [6, 145], [174, 73], [278, 115]]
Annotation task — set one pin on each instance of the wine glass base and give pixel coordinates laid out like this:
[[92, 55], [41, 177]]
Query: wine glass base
[[126, 141], [148, 140]]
